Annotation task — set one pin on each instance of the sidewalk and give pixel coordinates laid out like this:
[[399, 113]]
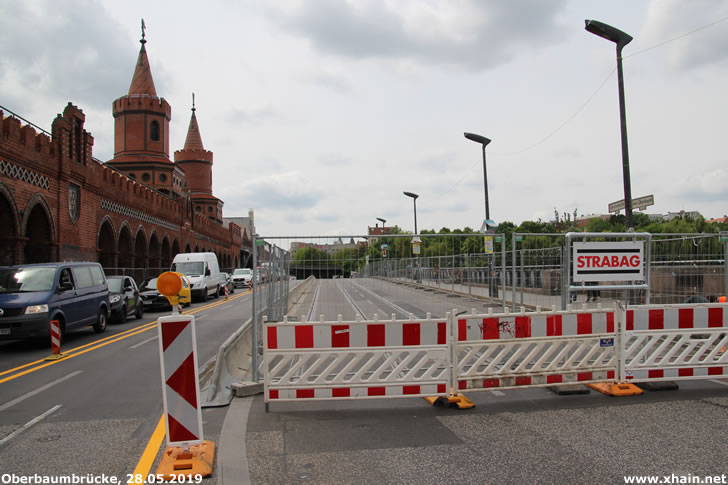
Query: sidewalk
[[528, 297]]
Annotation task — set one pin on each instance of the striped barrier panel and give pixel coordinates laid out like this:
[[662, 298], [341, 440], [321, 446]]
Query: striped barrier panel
[[675, 342], [180, 383], [356, 359], [56, 337], [513, 350]]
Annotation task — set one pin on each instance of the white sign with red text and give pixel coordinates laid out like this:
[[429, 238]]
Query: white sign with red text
[[608, 261]]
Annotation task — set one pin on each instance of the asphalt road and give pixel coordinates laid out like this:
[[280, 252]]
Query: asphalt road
[[100, 405]]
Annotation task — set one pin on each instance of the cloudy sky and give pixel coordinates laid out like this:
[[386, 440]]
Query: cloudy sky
[[320, 113]]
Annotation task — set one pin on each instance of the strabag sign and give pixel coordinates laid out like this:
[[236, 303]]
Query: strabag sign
[[608, 261]]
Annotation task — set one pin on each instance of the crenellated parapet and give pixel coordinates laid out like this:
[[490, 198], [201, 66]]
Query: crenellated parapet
[[25, 138], [141, 102]]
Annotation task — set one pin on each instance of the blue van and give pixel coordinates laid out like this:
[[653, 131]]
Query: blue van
[[31, 295]]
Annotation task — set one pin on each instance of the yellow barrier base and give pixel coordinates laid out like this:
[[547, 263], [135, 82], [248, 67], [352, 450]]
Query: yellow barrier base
[[56, 356], [453, 401], [197, 460], [616, 388]]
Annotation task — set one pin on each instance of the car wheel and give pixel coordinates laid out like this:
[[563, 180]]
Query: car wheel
[[204, 294], [100, 324], [217, 291], [186, 304], [123, 313], [139, 311]]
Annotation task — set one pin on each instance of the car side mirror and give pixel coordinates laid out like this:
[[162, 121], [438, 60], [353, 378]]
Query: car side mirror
[[207, 272]]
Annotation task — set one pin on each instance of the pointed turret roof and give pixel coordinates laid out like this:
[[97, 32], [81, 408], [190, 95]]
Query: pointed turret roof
[[194, 140], [142, 82]]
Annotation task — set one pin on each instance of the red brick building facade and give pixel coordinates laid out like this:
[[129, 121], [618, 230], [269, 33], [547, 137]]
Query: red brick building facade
[[58, 203]]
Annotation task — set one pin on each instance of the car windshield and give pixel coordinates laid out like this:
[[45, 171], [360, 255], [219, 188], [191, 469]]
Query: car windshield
[[194, 268], [150, 284], [114, 284], [17, 280], [242, 271]]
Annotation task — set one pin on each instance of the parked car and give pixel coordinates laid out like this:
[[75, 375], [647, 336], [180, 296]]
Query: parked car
[[153, 299], [203, 271], [124, 298], [242, 277], [31, 295], [228, 283]]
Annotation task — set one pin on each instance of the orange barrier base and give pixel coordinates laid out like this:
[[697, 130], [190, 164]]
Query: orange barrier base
[[453, 401], [616, 388], [56, 356], [197, 460]]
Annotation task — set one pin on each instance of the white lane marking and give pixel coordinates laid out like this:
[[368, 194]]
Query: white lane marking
[[712, 380], [498, 393], [143, 342], [226, 306], [200, 317], [28, 425], [40, 389]]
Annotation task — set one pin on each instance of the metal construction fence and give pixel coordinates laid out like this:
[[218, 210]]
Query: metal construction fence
[[479, 352], [523, 269]]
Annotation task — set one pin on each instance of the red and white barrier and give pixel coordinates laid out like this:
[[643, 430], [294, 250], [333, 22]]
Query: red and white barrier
[[180, 383], [675, 342], [527, 349], [56, 337], [55, 332], [347, 360]]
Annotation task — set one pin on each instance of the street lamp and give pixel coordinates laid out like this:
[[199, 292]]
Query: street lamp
[[484, 142], [492, 289], [621, 39], [414, 199], [383, 221]]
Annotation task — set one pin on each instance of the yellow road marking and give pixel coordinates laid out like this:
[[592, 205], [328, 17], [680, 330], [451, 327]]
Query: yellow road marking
[[98, 344], [150, 453]]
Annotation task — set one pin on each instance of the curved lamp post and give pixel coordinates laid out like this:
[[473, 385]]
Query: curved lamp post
[[492, 288], [621, 39], [414, 199], [484, 142]]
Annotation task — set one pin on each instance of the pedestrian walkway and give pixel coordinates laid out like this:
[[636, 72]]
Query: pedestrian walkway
[[530, 298]]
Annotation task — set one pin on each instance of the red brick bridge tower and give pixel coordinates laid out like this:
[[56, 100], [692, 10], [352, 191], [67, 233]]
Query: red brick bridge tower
[[196, 162]]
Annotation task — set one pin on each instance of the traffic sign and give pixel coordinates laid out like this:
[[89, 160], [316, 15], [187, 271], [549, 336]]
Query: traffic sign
[[638, 203]]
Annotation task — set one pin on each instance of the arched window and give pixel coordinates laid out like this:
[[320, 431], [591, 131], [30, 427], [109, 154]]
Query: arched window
[[154, 131]]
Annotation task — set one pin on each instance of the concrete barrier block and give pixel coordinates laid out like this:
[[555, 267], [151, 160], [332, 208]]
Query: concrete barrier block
[[247, 388]]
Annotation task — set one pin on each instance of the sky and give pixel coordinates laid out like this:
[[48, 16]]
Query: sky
[[320, 113]]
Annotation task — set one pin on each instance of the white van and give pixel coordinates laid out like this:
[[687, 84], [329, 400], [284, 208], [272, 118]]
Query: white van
[[203, 271]]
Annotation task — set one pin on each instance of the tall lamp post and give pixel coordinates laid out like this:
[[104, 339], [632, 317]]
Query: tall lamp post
[[383, 221], [484, 143], [492, 289], [621, 39], [414, 200]]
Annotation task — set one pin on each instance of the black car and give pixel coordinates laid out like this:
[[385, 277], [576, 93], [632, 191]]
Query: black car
[[124, 298], [151, 297]]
